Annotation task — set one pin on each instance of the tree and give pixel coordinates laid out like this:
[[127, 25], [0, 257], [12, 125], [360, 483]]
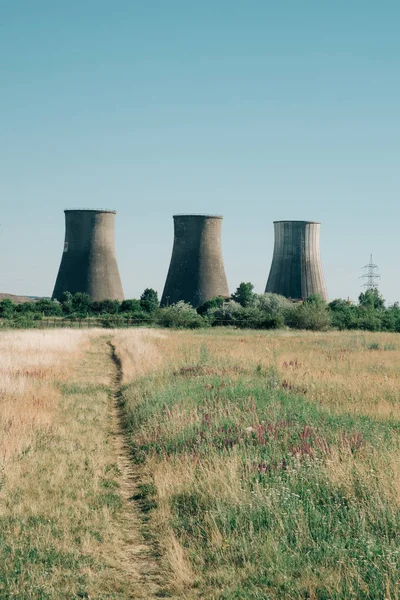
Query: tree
[[212, 303], [81, 303], [149, 300], [244, 294], [48, 307], [343, 314], [315, 300], [130, 306], [26, 307], [109, 307], [371, 299], [7, 308], [66, 303]]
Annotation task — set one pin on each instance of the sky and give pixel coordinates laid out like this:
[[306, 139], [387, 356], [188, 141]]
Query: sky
[[255, 110]]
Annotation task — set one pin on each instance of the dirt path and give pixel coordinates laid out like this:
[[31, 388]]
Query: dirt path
[[137, 556]]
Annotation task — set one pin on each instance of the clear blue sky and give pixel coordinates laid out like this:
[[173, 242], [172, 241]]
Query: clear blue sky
[[256, 110]]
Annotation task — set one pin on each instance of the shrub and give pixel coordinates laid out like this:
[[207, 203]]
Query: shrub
[[368, 319], [81, 303], [113, 321], [110, 307], [140, 316], [130, 306], [343, 314], [26, 321], [66, 303], [180, 315], [245, 318], [49, 308], [7, 308], [312, 314], [272, 303], [224, 315], [26, 307], [213, 303]]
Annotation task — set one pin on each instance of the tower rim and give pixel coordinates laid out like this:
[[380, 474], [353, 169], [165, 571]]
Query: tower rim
[[197, 215], [90, 210], [307, 222]]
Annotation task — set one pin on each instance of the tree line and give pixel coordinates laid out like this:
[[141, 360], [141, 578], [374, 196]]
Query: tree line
[[244, 309]]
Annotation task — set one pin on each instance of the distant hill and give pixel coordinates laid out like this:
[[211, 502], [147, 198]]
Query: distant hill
[[20, 299]]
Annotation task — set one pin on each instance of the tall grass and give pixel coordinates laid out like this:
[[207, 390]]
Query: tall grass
[[31, 363], [61, 534], [271, 461]]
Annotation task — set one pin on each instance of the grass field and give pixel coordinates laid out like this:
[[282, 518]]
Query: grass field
[[272, 461], [66, 528], [264, 465]]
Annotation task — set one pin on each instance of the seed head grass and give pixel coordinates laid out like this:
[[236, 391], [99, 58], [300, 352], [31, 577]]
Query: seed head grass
[[274, 461], [60, 500], [268, 463]]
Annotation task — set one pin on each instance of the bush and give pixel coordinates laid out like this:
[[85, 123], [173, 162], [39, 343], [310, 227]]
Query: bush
[[213, 303], [113, 321], [180, 315], [7, 308], [66, 303], [108, 307], [26, 321], [253, 311], [26, 307], [130, 306], [368, 319], [141, 316], [48, 308], [343, 314], [226, 315], [81, 303], [272, 304], [313, 314], [245, 318]]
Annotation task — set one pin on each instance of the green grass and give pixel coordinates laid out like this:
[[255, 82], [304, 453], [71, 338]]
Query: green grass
[[309, 512]]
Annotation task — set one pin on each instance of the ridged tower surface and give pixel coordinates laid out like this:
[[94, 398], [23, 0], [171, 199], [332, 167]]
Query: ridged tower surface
[[89, 262], [196, 273], [296, 270]]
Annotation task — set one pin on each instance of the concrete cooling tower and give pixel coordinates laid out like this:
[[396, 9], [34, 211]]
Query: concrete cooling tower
[[89, 262], [296, 270], [196, 273]]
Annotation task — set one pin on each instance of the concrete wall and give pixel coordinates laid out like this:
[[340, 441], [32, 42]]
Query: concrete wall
[[296, 270], [196, 273], [89, 262]]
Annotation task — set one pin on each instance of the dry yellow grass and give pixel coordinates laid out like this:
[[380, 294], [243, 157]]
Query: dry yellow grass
[[340, 374], [139, 351], [61, 481], [66, 530], [339, 370], [31, 363]]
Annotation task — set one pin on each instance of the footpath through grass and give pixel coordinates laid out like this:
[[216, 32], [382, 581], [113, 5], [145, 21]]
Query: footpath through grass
[[60, 501], [272, 460]]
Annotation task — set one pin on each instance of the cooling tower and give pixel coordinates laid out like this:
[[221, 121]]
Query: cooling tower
[[196, 273], [296, 270], [89, 263]]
